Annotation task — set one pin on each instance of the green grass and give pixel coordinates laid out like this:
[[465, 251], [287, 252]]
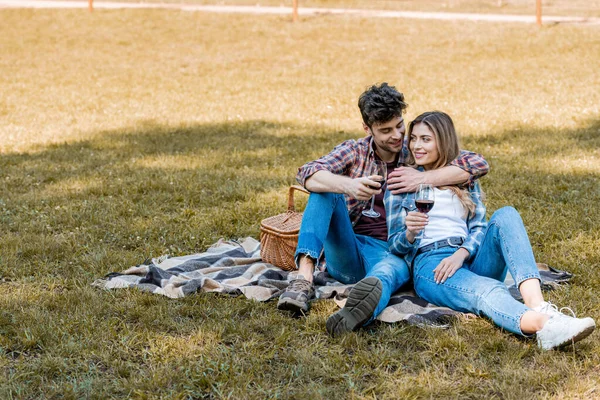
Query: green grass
[[131, 134]]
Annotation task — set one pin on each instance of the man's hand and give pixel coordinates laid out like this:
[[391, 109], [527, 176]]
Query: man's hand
[[363, 188], [415, 223], [405, 180], [358, 188], [449, 265]]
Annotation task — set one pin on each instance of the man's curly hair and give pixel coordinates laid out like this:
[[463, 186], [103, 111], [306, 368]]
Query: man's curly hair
[[379, 104]]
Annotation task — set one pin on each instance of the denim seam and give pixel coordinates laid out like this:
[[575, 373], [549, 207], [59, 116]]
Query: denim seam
[[517, 321], [308, 252], [526, 277], [510, 258], [519, 325], [509, 255]]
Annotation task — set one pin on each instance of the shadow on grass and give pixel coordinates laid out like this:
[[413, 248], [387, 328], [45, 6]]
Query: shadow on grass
[[545, 141], [157, 189], [151, 190], [545, 172], [203, 150]]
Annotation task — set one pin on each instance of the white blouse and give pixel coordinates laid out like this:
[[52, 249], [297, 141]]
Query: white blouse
[[447, 218]]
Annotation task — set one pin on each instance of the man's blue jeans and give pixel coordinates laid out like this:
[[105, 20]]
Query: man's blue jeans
[[350, 257], [478, 286]]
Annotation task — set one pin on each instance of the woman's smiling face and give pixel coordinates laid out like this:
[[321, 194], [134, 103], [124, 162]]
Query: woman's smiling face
[[423, 145]]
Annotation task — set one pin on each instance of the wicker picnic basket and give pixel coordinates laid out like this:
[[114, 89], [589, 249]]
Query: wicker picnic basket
[[279, 235]]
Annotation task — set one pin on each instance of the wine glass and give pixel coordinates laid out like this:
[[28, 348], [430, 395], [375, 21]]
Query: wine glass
[[424, 202], [378, 171]]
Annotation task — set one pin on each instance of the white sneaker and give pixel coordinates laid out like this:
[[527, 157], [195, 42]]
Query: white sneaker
[[561, 330], [550, 309]]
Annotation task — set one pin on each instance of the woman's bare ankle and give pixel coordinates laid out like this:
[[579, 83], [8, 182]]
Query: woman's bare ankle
[[532, 322]]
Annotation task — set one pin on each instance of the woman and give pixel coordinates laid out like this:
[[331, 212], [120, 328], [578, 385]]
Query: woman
[[463, 262]]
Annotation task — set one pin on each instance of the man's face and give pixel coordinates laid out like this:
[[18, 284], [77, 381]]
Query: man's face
[[388, 137]]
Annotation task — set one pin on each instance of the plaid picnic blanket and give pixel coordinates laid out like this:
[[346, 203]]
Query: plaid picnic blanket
[[235, 268]]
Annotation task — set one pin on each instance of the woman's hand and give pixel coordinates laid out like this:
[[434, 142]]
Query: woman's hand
[[415, 223], [449, 265]]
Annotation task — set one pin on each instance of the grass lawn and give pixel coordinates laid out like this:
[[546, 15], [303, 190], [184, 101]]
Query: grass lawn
[[135, 133]]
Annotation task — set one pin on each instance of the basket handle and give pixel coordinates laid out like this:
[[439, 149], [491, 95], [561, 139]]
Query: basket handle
[[291, 196]]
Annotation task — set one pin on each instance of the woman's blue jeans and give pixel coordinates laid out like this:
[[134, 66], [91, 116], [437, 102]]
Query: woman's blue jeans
[[350, 257], [478, 286]]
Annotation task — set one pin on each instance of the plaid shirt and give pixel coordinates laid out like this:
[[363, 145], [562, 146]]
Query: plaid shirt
[[398, 205], [352, 157]]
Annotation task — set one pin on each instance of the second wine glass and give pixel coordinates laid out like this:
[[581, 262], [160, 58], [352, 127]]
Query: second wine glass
[[378, 170], [424, 201]]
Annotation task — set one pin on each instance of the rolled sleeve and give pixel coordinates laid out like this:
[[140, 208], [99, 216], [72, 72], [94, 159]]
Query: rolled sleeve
[[338, 161], [472, 163]]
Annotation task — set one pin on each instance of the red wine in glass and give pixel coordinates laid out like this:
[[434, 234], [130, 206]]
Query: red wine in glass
[[424, 206], [424, 201]]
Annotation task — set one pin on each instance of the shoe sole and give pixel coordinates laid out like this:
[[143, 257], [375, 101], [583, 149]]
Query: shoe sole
[[362, 302], [292, 305]]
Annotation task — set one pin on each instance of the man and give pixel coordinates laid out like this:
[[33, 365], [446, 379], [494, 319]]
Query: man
[[355, 246]]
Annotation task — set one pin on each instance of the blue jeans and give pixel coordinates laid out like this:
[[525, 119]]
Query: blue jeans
[[478, 286], [350, 257]]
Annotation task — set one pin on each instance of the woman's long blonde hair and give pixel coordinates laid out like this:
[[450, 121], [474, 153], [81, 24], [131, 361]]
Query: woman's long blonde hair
[[448, 148]]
